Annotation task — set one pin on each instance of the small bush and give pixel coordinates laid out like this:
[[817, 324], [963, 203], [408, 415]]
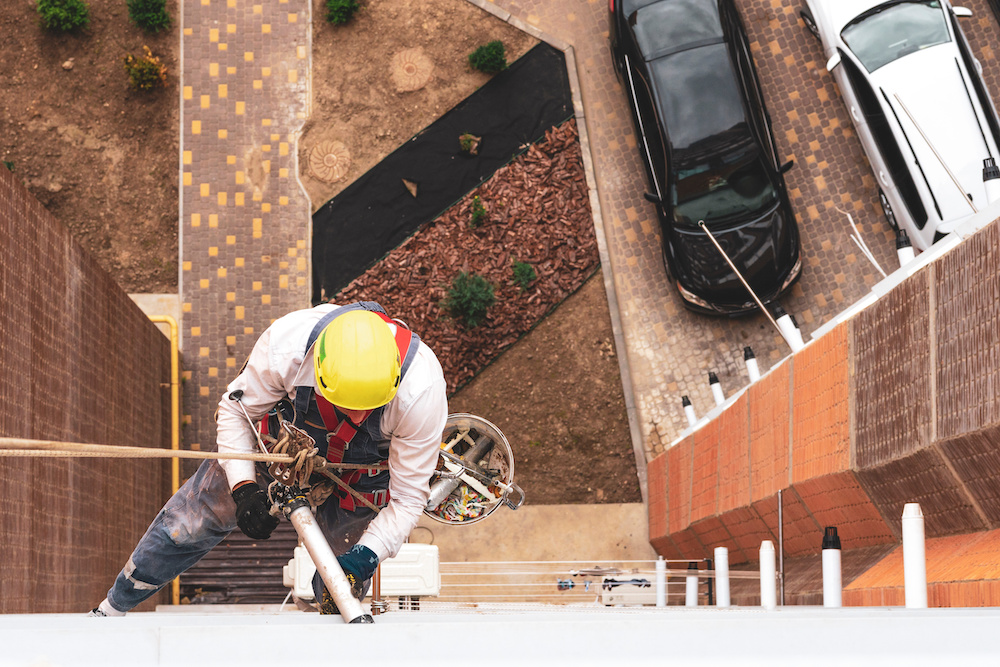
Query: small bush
[[478, 213], [469, 298], [150, 15], [524, 273], [64, 15], [339, 12], [489, 58], [146, 72], [9, 165], [469, 143]]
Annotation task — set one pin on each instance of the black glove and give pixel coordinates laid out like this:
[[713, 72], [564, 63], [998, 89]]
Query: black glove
[[253, 511]]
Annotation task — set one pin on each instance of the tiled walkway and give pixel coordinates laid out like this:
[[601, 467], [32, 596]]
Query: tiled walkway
[[245, 230], [245, 220]]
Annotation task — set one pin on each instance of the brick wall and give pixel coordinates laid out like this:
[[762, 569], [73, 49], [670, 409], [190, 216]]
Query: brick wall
[[898, 404], [79, 362]]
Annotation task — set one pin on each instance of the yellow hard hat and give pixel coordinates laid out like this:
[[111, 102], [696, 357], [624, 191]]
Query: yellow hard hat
[[356, 361]]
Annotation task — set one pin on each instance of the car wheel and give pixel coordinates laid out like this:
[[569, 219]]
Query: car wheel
[[887, 211], [810, 23]]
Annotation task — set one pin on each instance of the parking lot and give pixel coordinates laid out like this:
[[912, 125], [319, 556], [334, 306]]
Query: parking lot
[[670, 350]]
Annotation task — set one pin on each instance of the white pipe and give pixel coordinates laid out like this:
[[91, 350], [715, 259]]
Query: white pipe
[[768, 576], [691, 587], [661, 582], [327, 566], [991, 180], [753, 370], [914, 557], [832, 577], [689, 411], [721, 577], [713, 382]]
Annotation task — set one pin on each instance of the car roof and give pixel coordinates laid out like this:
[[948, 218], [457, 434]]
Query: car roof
[[698, 97]]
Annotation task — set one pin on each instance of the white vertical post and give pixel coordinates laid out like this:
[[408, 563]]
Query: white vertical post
[[691, 586], [750, 359], [832, 577], [713, 382], [768, 578], [914, 557], [721, 577], [661, 582], [689, 411]]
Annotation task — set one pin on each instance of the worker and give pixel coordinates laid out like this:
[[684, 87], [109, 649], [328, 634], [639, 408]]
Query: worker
[[367, 390]]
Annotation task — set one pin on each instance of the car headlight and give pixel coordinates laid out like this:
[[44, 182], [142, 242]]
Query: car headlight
[[793, 274], [691, 297]]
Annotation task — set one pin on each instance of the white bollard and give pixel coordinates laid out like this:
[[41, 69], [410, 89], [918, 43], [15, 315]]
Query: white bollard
[[914, 557], [768, 576], [661, 582], [904, 249], [991, 180], [689, 411], [713, 382], [789, 330], [691, 587], [721, 577], [753, 370], [832, 577]]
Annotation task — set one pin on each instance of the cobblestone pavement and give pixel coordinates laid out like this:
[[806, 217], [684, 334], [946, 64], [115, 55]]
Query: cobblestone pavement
[[669, 350], [245, 219]]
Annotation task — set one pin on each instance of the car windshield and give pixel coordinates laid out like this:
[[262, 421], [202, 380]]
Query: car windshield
[[892, 31], [671, 25], [730, 184]]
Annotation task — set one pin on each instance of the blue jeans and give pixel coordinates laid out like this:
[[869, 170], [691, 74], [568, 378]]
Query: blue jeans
[[199, 516]]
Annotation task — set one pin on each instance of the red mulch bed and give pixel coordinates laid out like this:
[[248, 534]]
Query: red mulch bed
[[538, 211]]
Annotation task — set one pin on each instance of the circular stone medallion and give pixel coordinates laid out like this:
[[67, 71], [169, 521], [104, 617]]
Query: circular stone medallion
[[329, 161], [411, 70]]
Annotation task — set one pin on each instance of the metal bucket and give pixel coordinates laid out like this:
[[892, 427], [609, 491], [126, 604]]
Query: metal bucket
[[475, 473]]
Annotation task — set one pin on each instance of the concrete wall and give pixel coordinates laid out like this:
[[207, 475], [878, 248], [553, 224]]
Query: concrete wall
[[79, 362], [900, 403]]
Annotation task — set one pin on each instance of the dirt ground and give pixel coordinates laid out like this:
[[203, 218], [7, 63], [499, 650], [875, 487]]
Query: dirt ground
[[103, 159], [360, 84], [99, 155]]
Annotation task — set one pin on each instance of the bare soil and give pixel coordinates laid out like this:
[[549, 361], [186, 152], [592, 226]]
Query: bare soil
[[99, 155], [103, 159]]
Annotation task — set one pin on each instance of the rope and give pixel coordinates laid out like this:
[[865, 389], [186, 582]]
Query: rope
[[23, 447]]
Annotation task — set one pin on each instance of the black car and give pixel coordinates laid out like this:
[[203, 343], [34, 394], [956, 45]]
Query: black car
[[709, 150]]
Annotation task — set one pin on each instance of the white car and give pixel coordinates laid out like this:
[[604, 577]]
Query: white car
[[917, 98]]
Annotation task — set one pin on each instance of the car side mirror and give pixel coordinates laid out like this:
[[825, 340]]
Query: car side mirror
[[962, 12], [785, 168], [832, 62], [650, 197]]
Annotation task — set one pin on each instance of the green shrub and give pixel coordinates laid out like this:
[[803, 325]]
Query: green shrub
[[469, 298], [64, 15], [150, 15], [489, 58], [340, 11], [9, 165], [478, 213], [469, 143], [524, 273], [146, 72]]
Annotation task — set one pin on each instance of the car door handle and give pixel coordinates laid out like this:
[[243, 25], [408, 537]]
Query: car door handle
[[855, 114], [882, 177]]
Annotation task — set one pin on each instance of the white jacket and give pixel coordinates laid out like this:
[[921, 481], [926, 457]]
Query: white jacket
[[414, 419]]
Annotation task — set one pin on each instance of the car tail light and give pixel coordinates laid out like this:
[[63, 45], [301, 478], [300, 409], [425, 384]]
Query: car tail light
[[611, 5]]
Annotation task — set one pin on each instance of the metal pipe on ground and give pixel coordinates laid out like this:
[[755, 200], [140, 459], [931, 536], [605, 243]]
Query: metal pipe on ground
[[689, 411], [768, 578], [832, 575], [717, 393], [753, 370]]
